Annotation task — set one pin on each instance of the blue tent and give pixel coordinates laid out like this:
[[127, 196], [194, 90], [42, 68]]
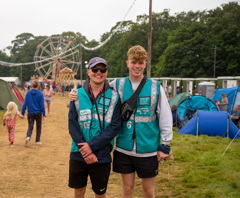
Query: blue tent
[[193, 103], [211, 123], [233, 95]]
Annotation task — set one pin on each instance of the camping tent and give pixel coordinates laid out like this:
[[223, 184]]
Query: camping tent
[[15, 80], [233, 95], [193, 103], [7, 95], [211, 123], [176, 100]]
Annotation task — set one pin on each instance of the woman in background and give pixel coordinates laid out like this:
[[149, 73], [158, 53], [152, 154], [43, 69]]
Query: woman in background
[[224, 102], [47, 93]]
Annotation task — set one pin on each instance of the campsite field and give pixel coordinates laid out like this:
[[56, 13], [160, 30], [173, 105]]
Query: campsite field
[[198, 169]]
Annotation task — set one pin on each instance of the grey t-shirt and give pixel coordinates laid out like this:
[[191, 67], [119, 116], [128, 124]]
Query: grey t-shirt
[[236, 114]]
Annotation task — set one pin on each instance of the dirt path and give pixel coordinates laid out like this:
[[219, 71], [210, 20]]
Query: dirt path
[[38, 171], [42, 171]]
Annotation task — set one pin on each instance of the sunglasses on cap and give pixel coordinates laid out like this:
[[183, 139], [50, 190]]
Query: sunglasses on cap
[[102, 70]]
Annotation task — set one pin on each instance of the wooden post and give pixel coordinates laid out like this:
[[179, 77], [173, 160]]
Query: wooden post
[[149, 40], [81, 64], [21, 76]]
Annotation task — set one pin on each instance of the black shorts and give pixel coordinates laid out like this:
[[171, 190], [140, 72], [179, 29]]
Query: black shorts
[[146, 167], [99, 175]]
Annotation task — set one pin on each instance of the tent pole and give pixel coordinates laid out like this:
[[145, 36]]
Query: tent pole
[[228, 128], [197, 125]]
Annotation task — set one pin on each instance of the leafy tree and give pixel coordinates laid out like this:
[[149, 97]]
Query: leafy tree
[[20, 41], [183, 44], [4, 70]]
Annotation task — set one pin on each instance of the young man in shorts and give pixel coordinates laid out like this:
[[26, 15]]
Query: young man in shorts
[[138, 148], [94, 121]]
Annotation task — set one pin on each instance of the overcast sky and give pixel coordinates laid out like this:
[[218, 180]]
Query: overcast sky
[[91, 18]]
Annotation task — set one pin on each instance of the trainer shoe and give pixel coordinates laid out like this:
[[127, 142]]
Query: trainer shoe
[[27, 141], [38, 143], [11, 145]]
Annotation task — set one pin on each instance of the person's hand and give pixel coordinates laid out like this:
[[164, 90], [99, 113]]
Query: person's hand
[[73, 95], [43, 118], [85, 150], [161, 156], [90, 159]]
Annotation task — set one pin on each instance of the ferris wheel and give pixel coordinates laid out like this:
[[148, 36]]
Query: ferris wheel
[[58, 53]]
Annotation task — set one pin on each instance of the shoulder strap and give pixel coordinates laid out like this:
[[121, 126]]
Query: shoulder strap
[[128, 106], [133, 98]]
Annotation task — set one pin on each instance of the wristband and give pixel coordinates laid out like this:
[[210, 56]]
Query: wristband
[[164, 148]]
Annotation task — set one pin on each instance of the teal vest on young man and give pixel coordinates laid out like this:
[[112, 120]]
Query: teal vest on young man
[[88, 117], [144, 118]]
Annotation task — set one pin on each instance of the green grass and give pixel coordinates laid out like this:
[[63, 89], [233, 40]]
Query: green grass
[[199, 170]]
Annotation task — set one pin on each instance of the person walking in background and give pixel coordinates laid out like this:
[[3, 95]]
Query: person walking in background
[[196, 92], [177, 121], [94, 121], [47, 93], [178, 90], [34, 102], [169, 91], [54, 87], [224, 102], [9, 120], [138, 148], [166, 91], [63, 89]]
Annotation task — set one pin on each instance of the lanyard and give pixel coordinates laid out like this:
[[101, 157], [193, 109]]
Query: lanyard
[[98, 111]]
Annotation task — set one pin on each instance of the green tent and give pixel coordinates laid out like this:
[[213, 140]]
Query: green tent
[[6, 95], [176, 100]]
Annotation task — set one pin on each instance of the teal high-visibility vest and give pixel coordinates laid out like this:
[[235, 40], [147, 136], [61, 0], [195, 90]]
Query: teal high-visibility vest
[[144, 120], [87, 114]]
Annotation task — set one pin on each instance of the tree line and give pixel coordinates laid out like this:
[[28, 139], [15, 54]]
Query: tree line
[[183, 45]]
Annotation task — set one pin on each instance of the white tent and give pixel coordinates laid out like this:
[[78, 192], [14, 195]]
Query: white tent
[[16, 80]]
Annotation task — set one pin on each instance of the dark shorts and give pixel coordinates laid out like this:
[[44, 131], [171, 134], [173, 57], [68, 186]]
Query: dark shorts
[[99, 175], [146, 167]]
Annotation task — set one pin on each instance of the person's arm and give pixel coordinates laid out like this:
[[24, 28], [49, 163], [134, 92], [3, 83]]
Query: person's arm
[[24, 104], [42, 105], [44, 94], [235, 116], [113, 85], [4, 119], [108, 133], [73, 126], [165, 117], [20, 115], [73, 95], [165, 125], [226, 101]]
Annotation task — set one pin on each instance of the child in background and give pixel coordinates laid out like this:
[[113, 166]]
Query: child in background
[[9, 119], [217, 104]]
